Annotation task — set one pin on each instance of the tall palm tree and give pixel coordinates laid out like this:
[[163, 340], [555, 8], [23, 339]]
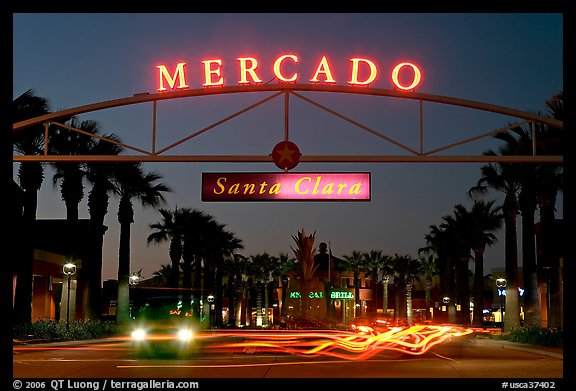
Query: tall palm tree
[[71, 175], [429, 269], [100, 175], [480, 223], [356, 263], [261, 266], [406, 272], [551, 140], [518, 141], [375, 260], [170, 228], [283, 267], [503, 178], [456, 228], [64, 141], [195, 223], [132, 183], [439, 241], [28, 141], [235, 267], [218, 245]]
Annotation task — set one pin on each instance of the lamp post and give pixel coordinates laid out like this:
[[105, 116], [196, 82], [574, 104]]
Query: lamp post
[[210, 300], [133, 280], [446, 302], [69, 269], [501, 284]]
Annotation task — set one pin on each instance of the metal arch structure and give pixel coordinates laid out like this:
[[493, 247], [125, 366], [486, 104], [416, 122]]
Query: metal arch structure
[[287, 90]]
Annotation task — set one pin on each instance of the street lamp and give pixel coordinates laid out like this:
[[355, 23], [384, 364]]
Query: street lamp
[[501, 284], [69, 269], [134, 279], [210, 300]]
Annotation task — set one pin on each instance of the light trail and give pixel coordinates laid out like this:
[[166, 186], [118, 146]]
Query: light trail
[[362, 344]]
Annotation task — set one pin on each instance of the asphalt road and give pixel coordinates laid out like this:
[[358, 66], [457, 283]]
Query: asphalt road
[[466, 357]]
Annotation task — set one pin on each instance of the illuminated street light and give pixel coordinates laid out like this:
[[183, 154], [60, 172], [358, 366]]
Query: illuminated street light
[[134, 279], [69, 269]]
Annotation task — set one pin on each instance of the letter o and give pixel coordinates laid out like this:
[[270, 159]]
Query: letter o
[[415, 81]]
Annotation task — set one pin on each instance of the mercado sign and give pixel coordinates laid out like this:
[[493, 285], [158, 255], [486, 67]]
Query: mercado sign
[[362, 72], [286, 186]]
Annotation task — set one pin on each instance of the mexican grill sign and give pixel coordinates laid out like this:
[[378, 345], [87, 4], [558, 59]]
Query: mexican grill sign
[[286, 186]]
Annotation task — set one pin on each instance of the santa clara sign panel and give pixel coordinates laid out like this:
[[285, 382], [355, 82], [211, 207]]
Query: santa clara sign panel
[[286, 186]]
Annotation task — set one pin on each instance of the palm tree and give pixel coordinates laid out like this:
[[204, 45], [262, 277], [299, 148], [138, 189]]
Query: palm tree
[[100, 175], [456, 228], [261, 266], [170, 228], [64, 141], [406, 272], [283, 268], [429, 269], [132, 183], [375, 262], [479, 224], [163, 275], [356, 263], [518, 141], [235, 267], [387, 271], [29, 141], [503, 177], [551, 140], [439, 242], [195, 222], [218, 245]]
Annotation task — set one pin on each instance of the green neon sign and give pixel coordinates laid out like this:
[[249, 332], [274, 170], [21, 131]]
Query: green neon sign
[[341, 295]]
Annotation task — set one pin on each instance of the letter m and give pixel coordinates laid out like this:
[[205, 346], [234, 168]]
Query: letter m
[[171, 80]]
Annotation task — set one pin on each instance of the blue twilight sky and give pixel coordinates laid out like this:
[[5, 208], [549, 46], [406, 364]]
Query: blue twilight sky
[[509, 59]]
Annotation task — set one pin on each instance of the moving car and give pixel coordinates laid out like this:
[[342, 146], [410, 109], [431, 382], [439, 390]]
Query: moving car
[[163, 326]]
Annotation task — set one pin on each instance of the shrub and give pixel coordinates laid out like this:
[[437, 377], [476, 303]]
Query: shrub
[[46, 329], [536, 336]]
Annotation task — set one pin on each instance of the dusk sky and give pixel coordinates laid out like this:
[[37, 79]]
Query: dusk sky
[[513, 60]]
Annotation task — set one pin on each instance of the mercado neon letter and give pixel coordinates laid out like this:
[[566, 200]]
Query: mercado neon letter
[[249, 73]]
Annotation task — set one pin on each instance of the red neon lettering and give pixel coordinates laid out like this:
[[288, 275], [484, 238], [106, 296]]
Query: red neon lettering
[[278, 64], [415, 81], [178, 74], [356, 65], [209, 73], [324, 68], [244, 70], [363, 72]]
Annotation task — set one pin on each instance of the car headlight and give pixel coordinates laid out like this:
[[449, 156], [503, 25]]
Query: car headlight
[[185, 334], [139, 335]]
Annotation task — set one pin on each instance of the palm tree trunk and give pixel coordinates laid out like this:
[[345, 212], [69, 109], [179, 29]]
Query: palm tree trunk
[[512, 308], [531, 296], [478, 288], [266, 304], [123, 303], [409, 302], [551, 259], [31, 174], [385, 280]]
